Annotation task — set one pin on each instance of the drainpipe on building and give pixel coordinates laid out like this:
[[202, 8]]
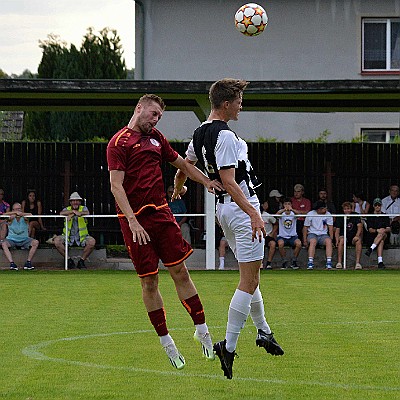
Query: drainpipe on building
[[140, 17]]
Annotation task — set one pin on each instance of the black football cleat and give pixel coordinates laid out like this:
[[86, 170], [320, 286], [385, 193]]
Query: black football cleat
[[269, 343], [225, 357]]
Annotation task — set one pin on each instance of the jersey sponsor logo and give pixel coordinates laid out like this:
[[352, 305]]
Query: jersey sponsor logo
[[154, 142]]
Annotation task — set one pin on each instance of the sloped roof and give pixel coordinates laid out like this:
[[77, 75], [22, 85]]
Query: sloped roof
[[113, 95]]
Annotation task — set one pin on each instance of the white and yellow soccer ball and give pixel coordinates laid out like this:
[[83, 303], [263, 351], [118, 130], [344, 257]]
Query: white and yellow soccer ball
[[251, 19]]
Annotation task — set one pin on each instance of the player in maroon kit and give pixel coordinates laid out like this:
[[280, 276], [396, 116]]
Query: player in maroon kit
[[135, 155]]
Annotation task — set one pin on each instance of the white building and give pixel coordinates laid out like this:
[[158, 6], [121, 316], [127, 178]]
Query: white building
[[309, 40]]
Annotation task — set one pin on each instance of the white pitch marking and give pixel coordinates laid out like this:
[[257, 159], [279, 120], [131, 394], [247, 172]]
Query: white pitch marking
[[34, 351]]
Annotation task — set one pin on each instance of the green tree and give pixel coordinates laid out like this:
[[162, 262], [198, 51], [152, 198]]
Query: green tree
[[100, 57]]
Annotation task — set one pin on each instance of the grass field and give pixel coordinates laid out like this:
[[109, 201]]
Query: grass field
[[85, 335]]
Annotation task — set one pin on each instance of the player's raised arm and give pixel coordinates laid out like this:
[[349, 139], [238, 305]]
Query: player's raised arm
[[188, 169]]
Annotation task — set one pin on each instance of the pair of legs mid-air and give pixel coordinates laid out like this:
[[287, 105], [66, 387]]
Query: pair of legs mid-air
[[189, 298], [247, 299]]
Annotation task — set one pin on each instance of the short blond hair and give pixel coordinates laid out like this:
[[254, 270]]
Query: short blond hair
[[147, 98], [298, 187]]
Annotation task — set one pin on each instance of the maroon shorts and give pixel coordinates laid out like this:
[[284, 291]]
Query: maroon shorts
[[166, 241]]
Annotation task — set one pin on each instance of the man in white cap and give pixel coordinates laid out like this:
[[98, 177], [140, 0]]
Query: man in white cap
[[77, 231]]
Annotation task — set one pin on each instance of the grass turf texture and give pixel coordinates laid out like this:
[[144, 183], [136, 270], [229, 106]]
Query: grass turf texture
[[85, 335]]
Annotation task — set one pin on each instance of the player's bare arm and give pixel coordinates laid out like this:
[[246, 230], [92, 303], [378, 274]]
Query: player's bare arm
[[138, 232], [179, 182], [233, 189], [188, 169]]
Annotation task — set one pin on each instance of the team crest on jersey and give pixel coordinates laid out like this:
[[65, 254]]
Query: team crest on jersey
[[154, 142], [287, 223]]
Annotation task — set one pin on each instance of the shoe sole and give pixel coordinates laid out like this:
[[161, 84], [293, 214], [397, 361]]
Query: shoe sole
[[218, 351]]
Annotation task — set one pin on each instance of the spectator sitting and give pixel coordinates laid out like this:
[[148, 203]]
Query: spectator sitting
[[18, 236], [275, 201], [378, 228], [391, 205], [354, 229], [178, 206], [4, 208], [270, 229], [318, 230], [303, 206], [287, 235], [222, 245], [77, 231], [360, 205], [323, 196], [34, 206]]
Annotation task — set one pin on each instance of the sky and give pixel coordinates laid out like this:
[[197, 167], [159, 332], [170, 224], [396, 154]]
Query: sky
[[23, 23]]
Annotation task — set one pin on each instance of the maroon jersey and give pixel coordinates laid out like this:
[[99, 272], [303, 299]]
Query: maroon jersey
[[140, 156]]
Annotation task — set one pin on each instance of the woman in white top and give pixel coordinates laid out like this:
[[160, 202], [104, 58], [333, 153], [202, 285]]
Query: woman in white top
[[360, 205]]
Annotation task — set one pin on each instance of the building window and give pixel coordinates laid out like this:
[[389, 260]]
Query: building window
[[381, 44], [380, 135]]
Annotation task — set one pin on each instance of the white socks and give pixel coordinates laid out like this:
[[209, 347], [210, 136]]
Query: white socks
[[239, 310], [243, 304], [257, 312], [221, 263], [165, 340], [201, 329]]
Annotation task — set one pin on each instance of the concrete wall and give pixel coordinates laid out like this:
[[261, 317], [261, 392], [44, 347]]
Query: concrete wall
[[49, 258], [304, 40]]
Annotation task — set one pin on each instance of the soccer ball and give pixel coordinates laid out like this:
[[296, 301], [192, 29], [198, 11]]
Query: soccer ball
[[251, 19]]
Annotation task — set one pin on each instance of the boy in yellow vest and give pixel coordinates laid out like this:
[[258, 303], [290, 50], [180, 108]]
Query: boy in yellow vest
[[77, 231]]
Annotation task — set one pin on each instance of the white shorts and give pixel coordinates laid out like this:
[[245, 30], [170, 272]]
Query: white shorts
[[236, 225]]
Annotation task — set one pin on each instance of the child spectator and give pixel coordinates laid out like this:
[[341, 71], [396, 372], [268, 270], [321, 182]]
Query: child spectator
[[287, 235], [354, 228]]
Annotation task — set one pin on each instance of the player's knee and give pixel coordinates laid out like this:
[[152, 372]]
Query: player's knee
[[149, 284]]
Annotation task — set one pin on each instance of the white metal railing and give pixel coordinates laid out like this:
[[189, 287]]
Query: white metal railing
[[344, 216], [210, 229]]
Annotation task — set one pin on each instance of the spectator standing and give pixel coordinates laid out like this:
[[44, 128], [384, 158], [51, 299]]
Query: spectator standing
[[18, 237], [391, 205], [78, 233], [270, 230], [4, 208], [302, 205], [323, 196], [354, 228], [178, 206], [378, 228], [34, 206], [318, 230]]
